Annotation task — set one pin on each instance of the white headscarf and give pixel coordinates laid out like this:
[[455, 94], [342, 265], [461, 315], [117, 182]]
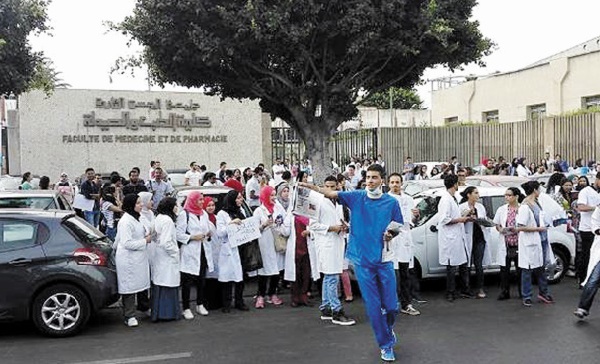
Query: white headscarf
[[146, 212]]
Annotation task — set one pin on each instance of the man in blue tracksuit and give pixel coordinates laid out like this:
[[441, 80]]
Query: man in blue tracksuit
[[371, 211]]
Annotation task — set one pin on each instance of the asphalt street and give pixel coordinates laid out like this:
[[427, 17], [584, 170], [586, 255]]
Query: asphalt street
[[468, 330]]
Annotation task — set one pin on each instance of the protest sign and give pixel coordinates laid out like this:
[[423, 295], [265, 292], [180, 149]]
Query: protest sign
[[248, 230], [307, 203]]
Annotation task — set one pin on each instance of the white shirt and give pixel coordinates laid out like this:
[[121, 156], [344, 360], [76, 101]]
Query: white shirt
[[253, 185], [278, 170], [193, 177], [587, 196]]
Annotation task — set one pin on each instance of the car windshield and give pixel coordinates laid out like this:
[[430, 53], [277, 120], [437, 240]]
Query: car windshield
[[428, 207], [85, 231], [42, 203], [177, 179]]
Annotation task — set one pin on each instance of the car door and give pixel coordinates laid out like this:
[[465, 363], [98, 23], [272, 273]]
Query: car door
[[21, 261], [491, 204]]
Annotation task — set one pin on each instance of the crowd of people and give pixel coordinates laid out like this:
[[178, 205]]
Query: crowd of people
[[163, 249]]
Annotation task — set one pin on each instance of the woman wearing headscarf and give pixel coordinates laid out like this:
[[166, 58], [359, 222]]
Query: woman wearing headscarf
[[147, 219], [522, 170], [165, 266], [193, 232], [563, 196], [282, 208], [131, 257], [215, 242], [269, 273], [109, 207], [230, 265]]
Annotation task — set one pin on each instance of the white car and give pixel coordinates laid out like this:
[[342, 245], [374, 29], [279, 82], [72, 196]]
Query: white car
[[425, 236]]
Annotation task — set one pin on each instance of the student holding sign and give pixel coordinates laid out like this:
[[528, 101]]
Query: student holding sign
[[371, 213]]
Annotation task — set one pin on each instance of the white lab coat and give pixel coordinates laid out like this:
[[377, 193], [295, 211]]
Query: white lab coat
[[481, 213], [330, 245], [523, 171], [133, 267], [595, 249], [500, 219], [230, 265], [191, 249], [215, 246], [165, 263], [403, 243], [530, 243], [290, 254], [273, 262], [451, 237]]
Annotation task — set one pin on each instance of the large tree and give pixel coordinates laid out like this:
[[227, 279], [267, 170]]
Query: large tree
[[19, 64], [307, 61]]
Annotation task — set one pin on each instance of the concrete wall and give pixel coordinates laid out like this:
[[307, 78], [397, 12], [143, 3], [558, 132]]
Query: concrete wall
[[560, 84], [53, 137]]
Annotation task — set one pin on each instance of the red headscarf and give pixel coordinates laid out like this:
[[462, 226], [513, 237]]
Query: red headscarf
[[234, 184], [191, 203], [211, 217], [265, 198]]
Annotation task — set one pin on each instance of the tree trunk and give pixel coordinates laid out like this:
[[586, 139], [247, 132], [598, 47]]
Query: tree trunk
[[317, 148]]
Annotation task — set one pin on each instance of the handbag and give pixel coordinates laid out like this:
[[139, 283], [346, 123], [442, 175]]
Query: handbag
[[250, 256], [280, 241]]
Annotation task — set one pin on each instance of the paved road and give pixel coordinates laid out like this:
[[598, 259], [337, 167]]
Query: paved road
[[483, 331]]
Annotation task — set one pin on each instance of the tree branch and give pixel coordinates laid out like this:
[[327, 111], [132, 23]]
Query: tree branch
[[386, 85]]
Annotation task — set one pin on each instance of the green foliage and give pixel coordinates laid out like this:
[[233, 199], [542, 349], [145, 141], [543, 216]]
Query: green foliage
[[586, 111], [18, 62], [401, 99], [46, 78]]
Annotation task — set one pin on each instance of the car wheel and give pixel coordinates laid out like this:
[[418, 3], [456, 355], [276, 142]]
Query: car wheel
[[60, 310], [560, 269]]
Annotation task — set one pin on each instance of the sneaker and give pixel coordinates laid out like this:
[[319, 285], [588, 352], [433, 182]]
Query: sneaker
[[349, 299], [388, 354], [201, 310], [504, 296], [527, 302], [545, 299], [410, 310], [581, 313], [449, 297], [260, 302], [131, 322], [340, 318], [326, 314], [481, 294], [274, 299], [187, 314], [467, 294], [419, 301]]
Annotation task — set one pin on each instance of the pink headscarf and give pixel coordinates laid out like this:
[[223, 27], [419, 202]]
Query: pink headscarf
[[265, 198], [191, 203], [211, 217]]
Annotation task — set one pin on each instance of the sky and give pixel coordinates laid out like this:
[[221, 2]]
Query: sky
[[524, 31]]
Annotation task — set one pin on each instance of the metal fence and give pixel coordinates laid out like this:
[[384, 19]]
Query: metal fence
[[572, 136]]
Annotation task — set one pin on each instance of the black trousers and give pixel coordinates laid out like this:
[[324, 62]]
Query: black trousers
[[403, 285], [129, 303], [582, 255], [199, 281], [511, 257], [477, 252], [463, 274], [262, 285], [239, 293]]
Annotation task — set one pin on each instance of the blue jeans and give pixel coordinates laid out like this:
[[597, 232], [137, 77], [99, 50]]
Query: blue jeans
[[111, 233], [329, 293], [526, 288], [590, 289], [378, 288], [92, 217]]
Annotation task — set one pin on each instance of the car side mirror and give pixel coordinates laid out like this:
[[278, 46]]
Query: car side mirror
[[433, 228]]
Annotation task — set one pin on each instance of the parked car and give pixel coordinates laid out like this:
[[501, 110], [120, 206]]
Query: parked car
[[426, 240], [415, 187], [55, 270], [216, 193], [176, 177], [34, 199], [12, 183], [495, 180]]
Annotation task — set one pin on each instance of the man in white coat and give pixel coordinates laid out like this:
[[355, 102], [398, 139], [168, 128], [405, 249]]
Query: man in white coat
[[403, 245], [328, 233], [452, 240]]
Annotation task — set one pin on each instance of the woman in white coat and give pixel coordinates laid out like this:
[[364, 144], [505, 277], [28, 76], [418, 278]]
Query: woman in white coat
[[532, 233], [193, 232], [477, 236], [452, 240], [506, 224], [165, 267], [131, 257], [215, 242], [230, 265], [147, 219]]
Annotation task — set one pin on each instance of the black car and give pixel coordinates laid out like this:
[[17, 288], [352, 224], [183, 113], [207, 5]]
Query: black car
[[55, 270]]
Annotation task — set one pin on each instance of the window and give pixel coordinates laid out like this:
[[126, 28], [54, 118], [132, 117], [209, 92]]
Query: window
[[451, 120], [536, 112], [590, 101], [17, 235], [491, 116]]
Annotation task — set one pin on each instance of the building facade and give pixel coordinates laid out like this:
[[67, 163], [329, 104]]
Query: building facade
[[117, 130], [556, 85]]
